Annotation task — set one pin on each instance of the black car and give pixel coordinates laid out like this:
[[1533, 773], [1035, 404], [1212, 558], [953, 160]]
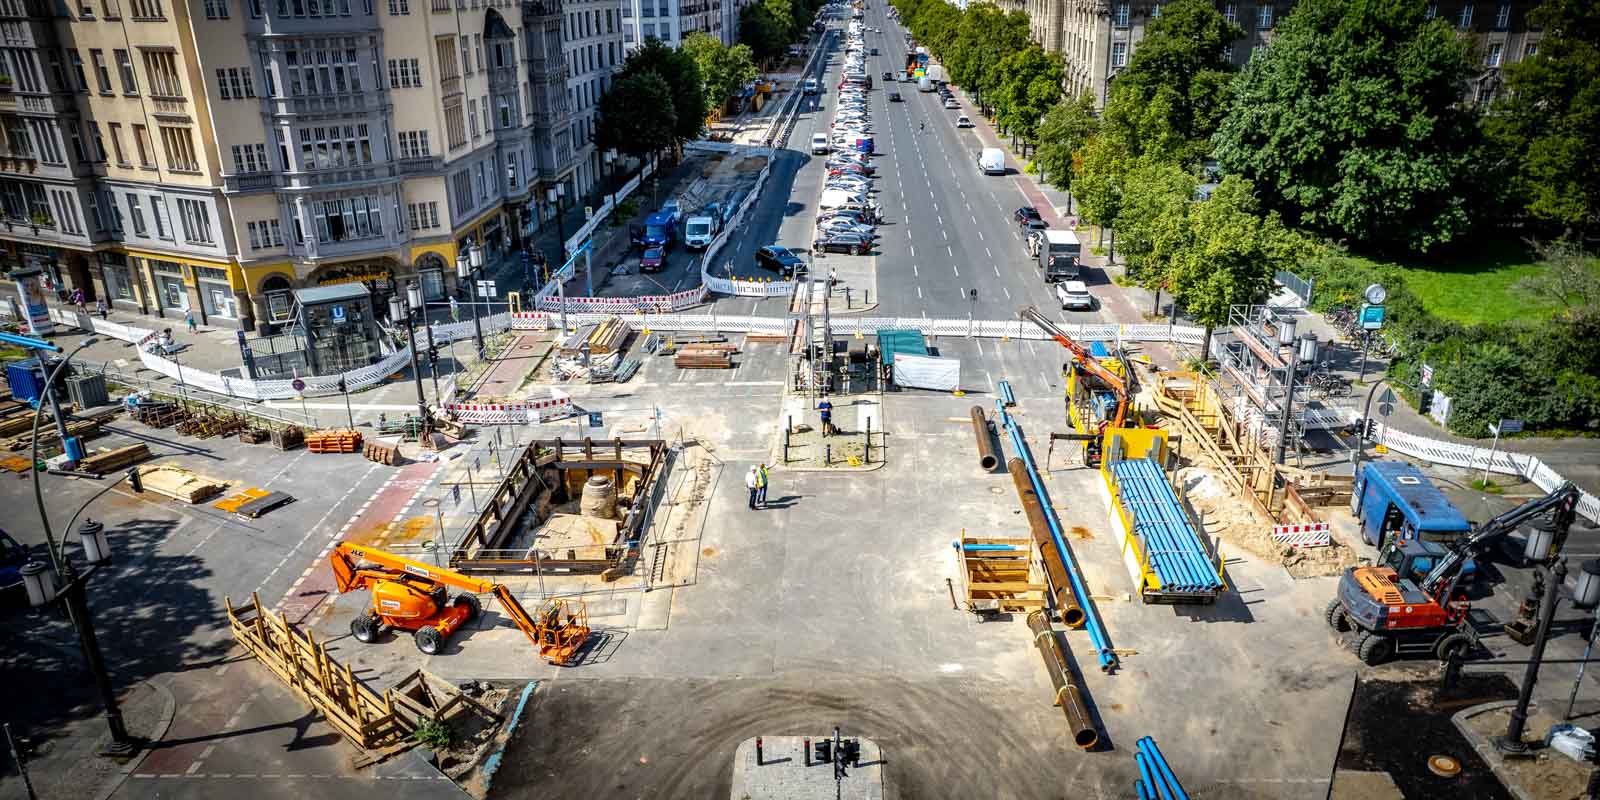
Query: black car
[[779, 260], [888, 76], [1025, 214], [841, 243], [894, 97], [1033, 226]]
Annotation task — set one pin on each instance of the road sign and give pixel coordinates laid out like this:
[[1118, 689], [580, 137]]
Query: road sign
[[1510, 426], [1427, 375], [596, 420], [1371, 317], [486, 289], [299, 385], [1386, 409], [338, 313], [588, 212]]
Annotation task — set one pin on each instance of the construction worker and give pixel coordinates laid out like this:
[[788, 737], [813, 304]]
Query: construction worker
[[761, 485], [752, 481], [826, 410]]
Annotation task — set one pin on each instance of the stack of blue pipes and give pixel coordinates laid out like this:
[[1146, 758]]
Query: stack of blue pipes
[[1171, 545]]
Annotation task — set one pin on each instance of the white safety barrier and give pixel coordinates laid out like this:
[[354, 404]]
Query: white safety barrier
[[1313, 534], [1473, 457], [557, 406]]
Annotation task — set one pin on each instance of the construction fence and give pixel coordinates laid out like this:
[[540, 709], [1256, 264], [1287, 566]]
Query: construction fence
[[1469, 456]]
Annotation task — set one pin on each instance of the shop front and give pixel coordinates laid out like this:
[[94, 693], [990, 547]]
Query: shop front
[[378, 276]]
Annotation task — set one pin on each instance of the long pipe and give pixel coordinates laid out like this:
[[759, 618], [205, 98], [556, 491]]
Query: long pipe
[[986, 455], [1097, 633], [1069, 694], [1166, 782], [1060, 581]]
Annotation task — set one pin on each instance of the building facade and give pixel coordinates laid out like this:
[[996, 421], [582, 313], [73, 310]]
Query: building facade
[[594, 31], [673, 20], [1096, 38], [213, 156]]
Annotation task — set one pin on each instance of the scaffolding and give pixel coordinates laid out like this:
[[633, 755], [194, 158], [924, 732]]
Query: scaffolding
[[1260, 371]]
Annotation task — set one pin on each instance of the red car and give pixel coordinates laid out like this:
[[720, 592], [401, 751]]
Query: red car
[[654, 260]]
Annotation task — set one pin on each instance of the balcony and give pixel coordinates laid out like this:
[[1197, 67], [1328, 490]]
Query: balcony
[[425, 165], [253, 182], [174, 108], [364, 103], [449, 86]]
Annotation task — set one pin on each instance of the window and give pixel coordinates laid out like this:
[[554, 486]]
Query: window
[[264, 234], [482, 183], [314, 8], [56, 73], [130, 82], [1502, 17], [1492, 58], [216, 9], [446, 48], [455, 125], [158, 211], [472, 117], [1530, 50], [1119, 54], [466, 56], [423, 215], [512, 172], [161, 67], [414, 144], [250, 158], [506, 118], [666, 30], [1230, 12], [79, 77], [66, 211], [404, 73], [649, 30], [116, 143], [255, 9], [137, 214], [326, 67], [100, 71], [179, 146], [461, 188], [113, 9], [477, 51], [147, 9], [95, 216], [44, 136], [1121, 15], [1431, 12], [75, 138], [1264, 18], [233, 83], [97, 141], [1155, 11], [335, 146], [1464, 20], [349, 218], [399, 8], [195, 220]]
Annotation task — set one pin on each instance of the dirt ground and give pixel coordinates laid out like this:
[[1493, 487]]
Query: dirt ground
[[1395, 725], [1229, 520], [1549, 775], [677, 737]]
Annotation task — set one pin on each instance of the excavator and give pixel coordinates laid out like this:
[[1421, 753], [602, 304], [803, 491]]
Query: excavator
[[1097, 388], [414, 596], [1411, 602]]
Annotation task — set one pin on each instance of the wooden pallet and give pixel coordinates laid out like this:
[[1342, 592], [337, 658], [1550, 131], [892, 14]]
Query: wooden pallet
[[180, 484], [333, 441], [382, 452], [288, 438], [110, 460]]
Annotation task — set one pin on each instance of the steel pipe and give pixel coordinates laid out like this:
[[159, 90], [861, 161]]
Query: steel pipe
[[1069, 694], [987, 458], [1060, 582]]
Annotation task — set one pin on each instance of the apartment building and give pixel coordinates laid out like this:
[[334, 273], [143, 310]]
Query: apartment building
[[673, 20], [216, 155], [593, 37], [1096, 38]]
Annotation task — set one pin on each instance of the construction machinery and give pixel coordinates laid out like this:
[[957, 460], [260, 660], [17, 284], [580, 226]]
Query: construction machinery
[[1097, 387], [414, 596], [1412, 600]]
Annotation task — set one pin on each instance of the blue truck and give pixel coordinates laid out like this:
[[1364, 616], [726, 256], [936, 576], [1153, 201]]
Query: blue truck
[[1393, 498]]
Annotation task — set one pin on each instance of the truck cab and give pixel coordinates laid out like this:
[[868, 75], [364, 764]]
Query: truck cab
[[660, 230], [1058, 253]]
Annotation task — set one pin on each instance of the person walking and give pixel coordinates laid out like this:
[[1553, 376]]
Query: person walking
[[833, 278], [100, 307], [455, 310], [77, 300], [826, 410], [761, 485], [188, 319], [752, 481]]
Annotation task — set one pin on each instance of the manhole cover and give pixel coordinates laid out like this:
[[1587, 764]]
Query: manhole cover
[[996, 490], [1444, 766], [525, 347], [432, 502]]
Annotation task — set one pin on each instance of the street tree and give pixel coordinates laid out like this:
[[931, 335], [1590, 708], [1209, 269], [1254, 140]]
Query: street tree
[[765, 28], [724, 70], [1352, 124], [1231, 254], [621, 124], [1097, 175], [1067, 127], [1152, 220], [1031, 86], [1548, 120], [1174, 92], [679, 72]]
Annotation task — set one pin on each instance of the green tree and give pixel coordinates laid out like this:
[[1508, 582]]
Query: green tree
[[1067, 127], [723, 69], [1152, 219], [1032, 85], [623, 127], [1174, 92], [678, 71], [1548, 121], [765, 28], [1351, 123], [1098, 171], [1231, 254]]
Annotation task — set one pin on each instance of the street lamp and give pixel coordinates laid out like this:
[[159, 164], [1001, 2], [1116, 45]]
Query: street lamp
[[469, 266], [399, 309], [554, 195], [610, 159]]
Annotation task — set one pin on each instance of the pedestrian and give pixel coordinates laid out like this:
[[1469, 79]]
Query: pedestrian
[[833, 278], [826, 410], [455, 310], [752, 481], [761, 485], [77, 300], [188, 319], [100, 307]]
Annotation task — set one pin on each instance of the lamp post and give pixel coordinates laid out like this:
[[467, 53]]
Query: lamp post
[[1292, 360], [397, 309], [469, 266], [610, 159]]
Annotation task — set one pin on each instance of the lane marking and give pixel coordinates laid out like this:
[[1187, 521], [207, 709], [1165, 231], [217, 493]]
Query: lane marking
[[957, 269], [919, 295], [997, 270]]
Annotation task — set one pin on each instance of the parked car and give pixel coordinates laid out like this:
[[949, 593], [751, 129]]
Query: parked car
[[857, 216], [841, 243], [844, 225], [887, 76], [1074, 295], [1033, 227], [963, 121], [950, 102], [653, 260], [780, 260], [894, 97], [1023, 215]]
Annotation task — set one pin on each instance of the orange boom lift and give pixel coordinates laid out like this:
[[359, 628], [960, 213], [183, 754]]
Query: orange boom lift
[[413, 596]]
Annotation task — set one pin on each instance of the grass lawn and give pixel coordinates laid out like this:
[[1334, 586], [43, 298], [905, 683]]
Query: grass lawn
[[1477, 286]]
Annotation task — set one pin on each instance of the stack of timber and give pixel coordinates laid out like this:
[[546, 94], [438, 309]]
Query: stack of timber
[[254, 435], [205, 425], [382, 452], [180, 484], [111, 460], [20, 425], [48, 436], [608, 337], [333, 441], [288, 437], [10, 406], [705, 356], [997, 575], [682, 340]]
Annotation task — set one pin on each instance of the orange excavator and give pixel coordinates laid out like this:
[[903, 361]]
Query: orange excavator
[[413, 596], [1097, 387]]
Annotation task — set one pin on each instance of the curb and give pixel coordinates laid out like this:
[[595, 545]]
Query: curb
[[169, 710], [1485, 748]]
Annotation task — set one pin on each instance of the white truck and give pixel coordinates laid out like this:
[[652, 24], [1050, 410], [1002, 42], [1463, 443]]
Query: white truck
[[699, 230], [992, 160]]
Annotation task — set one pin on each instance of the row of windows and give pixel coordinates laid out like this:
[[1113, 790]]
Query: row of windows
[[322, 147], [423, 215], [404, 73], [1121, 15], [349, 218], [583, 24], [234, 83], [414, 144], [264, 234]]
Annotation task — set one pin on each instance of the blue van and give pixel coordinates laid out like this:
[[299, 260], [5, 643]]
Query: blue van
[[1395, 498]]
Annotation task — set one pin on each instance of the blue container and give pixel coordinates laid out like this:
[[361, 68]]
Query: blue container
[[26, 379]]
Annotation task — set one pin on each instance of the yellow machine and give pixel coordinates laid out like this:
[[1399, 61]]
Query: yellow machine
[[1097, 387], [411, 595]]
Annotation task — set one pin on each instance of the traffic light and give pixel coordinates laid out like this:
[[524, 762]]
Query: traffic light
[[433, 356], [1369, 430], [824, 751], [850, 752]]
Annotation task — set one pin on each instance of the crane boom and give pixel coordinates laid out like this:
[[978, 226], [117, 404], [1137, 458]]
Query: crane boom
[[347, 559], [1564, 499], [1083, 356]]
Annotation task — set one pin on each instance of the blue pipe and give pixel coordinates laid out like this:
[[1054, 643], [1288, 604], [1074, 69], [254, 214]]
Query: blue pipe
[[1009, 548], [1168, 781], [1091, 617], [1146, 778]]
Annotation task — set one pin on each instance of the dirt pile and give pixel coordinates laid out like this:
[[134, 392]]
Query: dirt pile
[[1228, 519]]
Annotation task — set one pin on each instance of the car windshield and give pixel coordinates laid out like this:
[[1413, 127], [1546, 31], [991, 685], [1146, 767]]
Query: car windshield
[[655, 230], [697, 228]]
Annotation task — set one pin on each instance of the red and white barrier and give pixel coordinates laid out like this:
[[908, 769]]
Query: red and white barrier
[[1314, 534], [555, 407]]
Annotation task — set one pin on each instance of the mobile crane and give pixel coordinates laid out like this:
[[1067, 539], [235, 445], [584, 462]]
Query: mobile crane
[[1412, 602], [413, 596], [1097, 390]]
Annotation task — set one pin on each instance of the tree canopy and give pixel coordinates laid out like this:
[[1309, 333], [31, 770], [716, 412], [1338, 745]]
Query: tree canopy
[[1352, 124], [1066, 127], [1548, 122], [622, 126], [1174, 92], [678, 71], [723, 69], [1031, 86], [1230, 254]]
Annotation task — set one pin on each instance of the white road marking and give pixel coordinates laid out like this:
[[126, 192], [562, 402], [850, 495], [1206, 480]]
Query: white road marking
[[957, 269], [1007, 291], [941, 219], [997, 270], [919, 293], [913, 250], [989, 254], [915, 272], [950, 250]]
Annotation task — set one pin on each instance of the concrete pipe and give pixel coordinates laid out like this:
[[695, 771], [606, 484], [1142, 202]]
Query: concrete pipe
[[987, 457], [1069, 694], [1060, 585]]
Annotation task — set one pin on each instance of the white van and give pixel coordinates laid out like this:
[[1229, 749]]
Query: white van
[[992, 160], [838, 198], [819, 144]]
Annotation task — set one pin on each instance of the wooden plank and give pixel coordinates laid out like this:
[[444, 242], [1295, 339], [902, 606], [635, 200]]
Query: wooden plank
[[1010, 587]]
